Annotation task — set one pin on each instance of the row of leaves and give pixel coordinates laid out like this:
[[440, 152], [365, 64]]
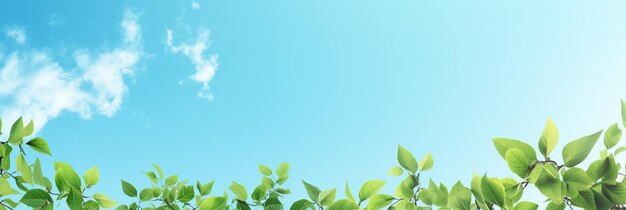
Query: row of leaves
[[600, 186]]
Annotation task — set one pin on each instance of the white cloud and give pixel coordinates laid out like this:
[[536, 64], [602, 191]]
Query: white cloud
[[35, 86], [195, 5], [205, 67], [17, 33], [56, 20]]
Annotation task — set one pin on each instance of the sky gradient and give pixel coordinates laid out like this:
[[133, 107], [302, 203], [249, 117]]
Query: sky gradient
[[330, 87]]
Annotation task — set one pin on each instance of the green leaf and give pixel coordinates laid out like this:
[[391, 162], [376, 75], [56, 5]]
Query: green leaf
[[239, 191], [243, 206], [266, 171], [171, 180], [36, 198], [159, 170], [395, 171], [74, 199], [549, 184], [28, 130], [348, 192], [370, 188], [17, 132], [185, 194], [37, 173], [555, 206], [312, 191], [549, 138], [576, 179], [129, 189], [24, 168], [104, 201], [6, 159], [584, 199], [598, 168], [302, 204], [282, 179], [93, 205], [517, 162], [282, 170], [492, 191], [146, 194], [576, 151], [615, 193], [612, 136], [5, 187], [327, 197], [610, 177], [273, 203], [427, 162], [91, 176], [623, 113], [206, 188], [503, 144], [406, 159], [213, 203], [525, 205], [69, 176], [460, 197], [405, 188], [343, 204], [379, 201]]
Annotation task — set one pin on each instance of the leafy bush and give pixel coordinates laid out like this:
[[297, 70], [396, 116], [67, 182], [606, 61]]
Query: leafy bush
[[564, 184]]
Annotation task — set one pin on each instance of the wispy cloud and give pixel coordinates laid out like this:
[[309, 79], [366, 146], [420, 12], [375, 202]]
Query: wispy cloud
[[17, 33], [34, 85], [195, 50], [56, 20], [195, 5]]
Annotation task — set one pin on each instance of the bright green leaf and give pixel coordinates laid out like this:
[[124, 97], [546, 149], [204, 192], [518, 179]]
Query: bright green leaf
[[312, 191], [282, 169], [406, 159], [24, 168], [576, 151], [146, 194], [427, 162], [379, 201], [213, 203], [460, 197], [327, 197], [239, 191], [104, 201], [492, 191], [265, 170], [517, 162], [343, 204], [612, 136], [91, 176], [348, 192], [39, 145], [36, 198], [395, 171], [503, 144], [129, 189], [370, 188], [549, 138]]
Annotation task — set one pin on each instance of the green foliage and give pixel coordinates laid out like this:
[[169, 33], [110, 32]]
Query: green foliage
[[565, 185], [549, 138], [576, 151], [406, 160]]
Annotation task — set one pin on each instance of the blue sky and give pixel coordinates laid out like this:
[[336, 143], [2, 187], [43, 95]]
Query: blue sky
[[330, 87]]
